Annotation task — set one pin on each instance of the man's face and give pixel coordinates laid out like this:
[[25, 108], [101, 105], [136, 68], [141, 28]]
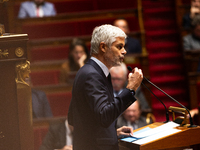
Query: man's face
[[132, 113], [118, 78], [122, 24], [78, 52], [115, 54], [197, 31], [195, 3]]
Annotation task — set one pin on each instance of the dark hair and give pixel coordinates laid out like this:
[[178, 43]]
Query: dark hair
[[195, 21], [72, 64]]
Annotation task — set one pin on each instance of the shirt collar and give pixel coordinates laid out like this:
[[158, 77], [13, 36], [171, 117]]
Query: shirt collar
[[101, 65]]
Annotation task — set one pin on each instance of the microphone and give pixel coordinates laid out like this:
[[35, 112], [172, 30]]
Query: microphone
[[191, 121], [167, 113]]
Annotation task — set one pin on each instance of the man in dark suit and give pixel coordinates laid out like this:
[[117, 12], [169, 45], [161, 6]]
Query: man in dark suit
[[93, 110], [132, 45]]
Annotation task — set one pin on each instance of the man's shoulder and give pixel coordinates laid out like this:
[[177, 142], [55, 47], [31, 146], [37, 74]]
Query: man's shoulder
[[188, 37], [27, 3], [48, 4]]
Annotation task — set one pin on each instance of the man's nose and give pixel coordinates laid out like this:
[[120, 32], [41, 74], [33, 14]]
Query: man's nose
[[124, 51]]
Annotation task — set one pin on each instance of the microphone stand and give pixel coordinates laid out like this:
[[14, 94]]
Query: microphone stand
[[191, 121], [166, 111]]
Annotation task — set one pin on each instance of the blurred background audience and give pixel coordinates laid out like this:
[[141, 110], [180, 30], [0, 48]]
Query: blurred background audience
[[132, 45], [119, 81], [36, 8], [194, 10], [132, 117], [192, 40], [40, 104], [59, 137], [78, 55]]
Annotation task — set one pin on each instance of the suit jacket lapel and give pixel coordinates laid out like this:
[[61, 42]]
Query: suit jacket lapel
[[97, 67]]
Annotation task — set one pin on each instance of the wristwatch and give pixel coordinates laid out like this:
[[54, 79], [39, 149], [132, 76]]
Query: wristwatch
[[132, 91]]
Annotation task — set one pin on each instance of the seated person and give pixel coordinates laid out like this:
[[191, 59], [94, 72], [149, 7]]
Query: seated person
[[40, 103], [132, 117], [60, 136], [192, 41], [36, 8], [132, 45], [194, 10], [119, 79], [78, 55]]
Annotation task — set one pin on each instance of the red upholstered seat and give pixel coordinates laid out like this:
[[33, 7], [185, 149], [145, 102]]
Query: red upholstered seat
[[113, 4], [162, 47], [167, 79], [161, 35], [44, 77], [51, 29], [159, 24], [172, 92], [39, 134], [59, 103], [70, 28], [49, 53], [74, 6]]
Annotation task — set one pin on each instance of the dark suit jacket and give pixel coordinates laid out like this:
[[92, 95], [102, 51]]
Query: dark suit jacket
[[55, 137], [133, 46], [93, 110], [40, 105]]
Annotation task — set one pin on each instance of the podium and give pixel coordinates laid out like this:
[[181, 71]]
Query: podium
[[176, 141], [16, 131]]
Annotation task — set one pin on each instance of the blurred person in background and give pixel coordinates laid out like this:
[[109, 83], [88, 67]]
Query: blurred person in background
[[36, 8], [78, 55], [132, 45], [119, 80], [59, 137], [194, 10], [40, 103], [192, 40], [132, 117]]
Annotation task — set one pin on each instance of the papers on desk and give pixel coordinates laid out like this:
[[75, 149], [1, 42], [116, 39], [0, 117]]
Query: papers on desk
[[149, 134]]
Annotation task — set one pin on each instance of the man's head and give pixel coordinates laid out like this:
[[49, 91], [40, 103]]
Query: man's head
[[107, 44], [196, 26], [119, 76], [133, 112], [122, 24], [195, 3]]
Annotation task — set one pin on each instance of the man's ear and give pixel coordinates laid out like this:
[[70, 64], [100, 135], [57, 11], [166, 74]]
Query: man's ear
[[103, 47]]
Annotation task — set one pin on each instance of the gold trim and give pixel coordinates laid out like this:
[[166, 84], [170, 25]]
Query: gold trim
[[1, 1], [4, 53], [23, 70], [19, 52]]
